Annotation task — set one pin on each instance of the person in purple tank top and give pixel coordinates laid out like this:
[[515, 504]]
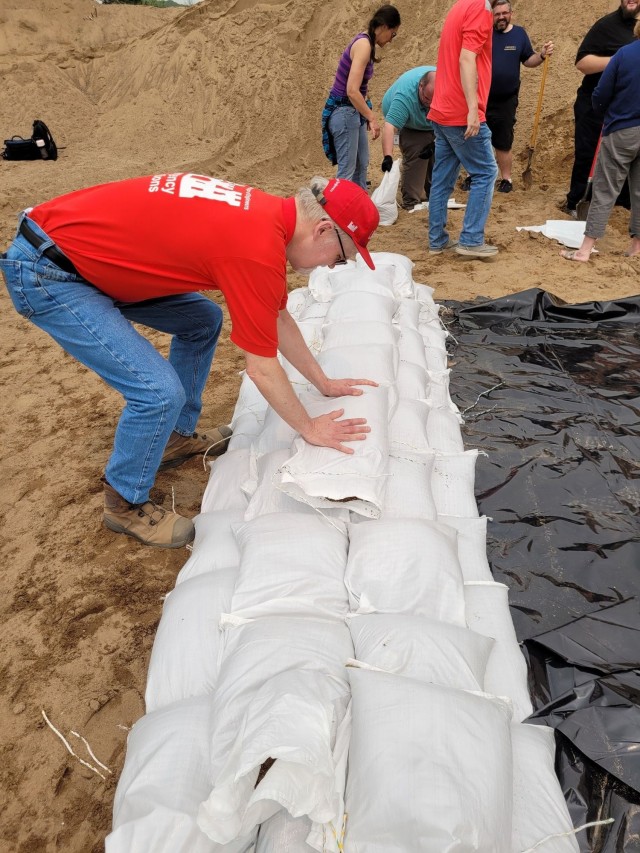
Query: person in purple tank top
[[348, 113]]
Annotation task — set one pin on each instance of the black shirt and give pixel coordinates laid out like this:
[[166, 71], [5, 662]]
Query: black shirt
[[604, 38]]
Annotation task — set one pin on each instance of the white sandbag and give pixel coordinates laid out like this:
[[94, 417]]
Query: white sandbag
[[214, 546], [411, 381], [408, 493], [184, 658], [276, 434], [297, 300], [430, 768], [407, 315], [443, 431], [359, 307], [291, 564], [539, 807], [378, 363], [472, 546], [402, 270], [249, 398], [322, 476], [422, 648], [438, 391], [433, 334], [428, 308], [164, 779], [405, 566], [453, 483], [380, 280], [267, 497], [228, 473], [256, 651], [313, 311], [408, 426], [358, 334], [435, 358], [292, 719], [411, 347], [284, 834], [320, 284], [245, 427], [487, 612], [384, 195]]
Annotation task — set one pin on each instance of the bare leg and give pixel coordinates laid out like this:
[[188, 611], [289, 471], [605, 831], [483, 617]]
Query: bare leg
[[504, 160], [583, 253], [634, 248]]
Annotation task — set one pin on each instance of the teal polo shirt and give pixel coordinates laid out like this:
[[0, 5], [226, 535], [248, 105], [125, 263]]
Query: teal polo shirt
[[400, 105]]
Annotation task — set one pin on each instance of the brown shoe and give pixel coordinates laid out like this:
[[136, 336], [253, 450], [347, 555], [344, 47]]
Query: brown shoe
[[182, 447], [147, 522]]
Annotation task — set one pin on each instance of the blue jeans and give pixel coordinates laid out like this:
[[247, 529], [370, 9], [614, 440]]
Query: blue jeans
[[349, 131], [476, 155], [160, 395]]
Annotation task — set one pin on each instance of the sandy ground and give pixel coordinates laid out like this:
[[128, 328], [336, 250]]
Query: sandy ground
[[232, 89]]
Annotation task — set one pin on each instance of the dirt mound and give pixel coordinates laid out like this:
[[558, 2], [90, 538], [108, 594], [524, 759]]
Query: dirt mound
[[233, 89]]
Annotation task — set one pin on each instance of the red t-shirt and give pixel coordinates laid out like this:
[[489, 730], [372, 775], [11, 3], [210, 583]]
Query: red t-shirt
[[167, 234], [469, 24]]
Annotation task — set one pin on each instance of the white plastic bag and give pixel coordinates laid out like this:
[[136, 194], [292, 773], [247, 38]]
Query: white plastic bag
[[384, 196]]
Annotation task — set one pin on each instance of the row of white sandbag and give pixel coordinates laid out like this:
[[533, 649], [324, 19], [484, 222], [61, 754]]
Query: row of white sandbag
[[166, 777]]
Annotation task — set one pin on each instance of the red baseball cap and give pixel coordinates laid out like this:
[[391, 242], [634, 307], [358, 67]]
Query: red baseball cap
[[351, 208]]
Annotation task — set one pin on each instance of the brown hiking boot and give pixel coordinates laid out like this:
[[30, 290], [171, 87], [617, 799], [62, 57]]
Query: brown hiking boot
[[147, 522], [182, 447]]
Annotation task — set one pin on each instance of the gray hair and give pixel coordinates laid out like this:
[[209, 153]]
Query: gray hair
[[501, 3], [309, 206]]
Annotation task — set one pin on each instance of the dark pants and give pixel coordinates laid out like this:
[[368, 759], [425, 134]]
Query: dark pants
[[587, 133], [415, 174]]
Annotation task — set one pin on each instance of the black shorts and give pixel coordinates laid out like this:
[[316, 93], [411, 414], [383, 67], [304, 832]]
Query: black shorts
[[501, 118]]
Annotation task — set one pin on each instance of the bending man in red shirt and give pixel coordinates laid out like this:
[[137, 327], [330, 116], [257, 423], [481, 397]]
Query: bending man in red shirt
[[462, 137], [85, 266]]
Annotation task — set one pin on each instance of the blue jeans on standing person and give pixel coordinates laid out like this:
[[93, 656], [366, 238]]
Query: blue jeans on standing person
[[161, 395], [476, 155], [349, 131]]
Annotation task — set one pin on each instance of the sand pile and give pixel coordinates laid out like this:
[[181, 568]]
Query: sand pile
[[234, 90]]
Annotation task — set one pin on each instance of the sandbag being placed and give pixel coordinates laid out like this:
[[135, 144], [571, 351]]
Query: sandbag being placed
[[326, 478], [359, 307]]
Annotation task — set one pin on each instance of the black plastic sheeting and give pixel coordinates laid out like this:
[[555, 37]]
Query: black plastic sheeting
[[551, 392]]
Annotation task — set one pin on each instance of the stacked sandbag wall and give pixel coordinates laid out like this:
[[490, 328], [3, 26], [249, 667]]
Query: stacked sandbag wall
[[338, 611]]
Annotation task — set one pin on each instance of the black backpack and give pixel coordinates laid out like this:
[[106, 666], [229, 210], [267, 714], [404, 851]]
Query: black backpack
[[40, 147]]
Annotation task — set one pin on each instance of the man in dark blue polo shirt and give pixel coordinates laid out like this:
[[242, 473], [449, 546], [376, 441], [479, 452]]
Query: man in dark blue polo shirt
[[605, 37], [511, 49]]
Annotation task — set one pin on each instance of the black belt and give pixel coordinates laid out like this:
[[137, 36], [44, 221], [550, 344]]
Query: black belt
[[53, 252]]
